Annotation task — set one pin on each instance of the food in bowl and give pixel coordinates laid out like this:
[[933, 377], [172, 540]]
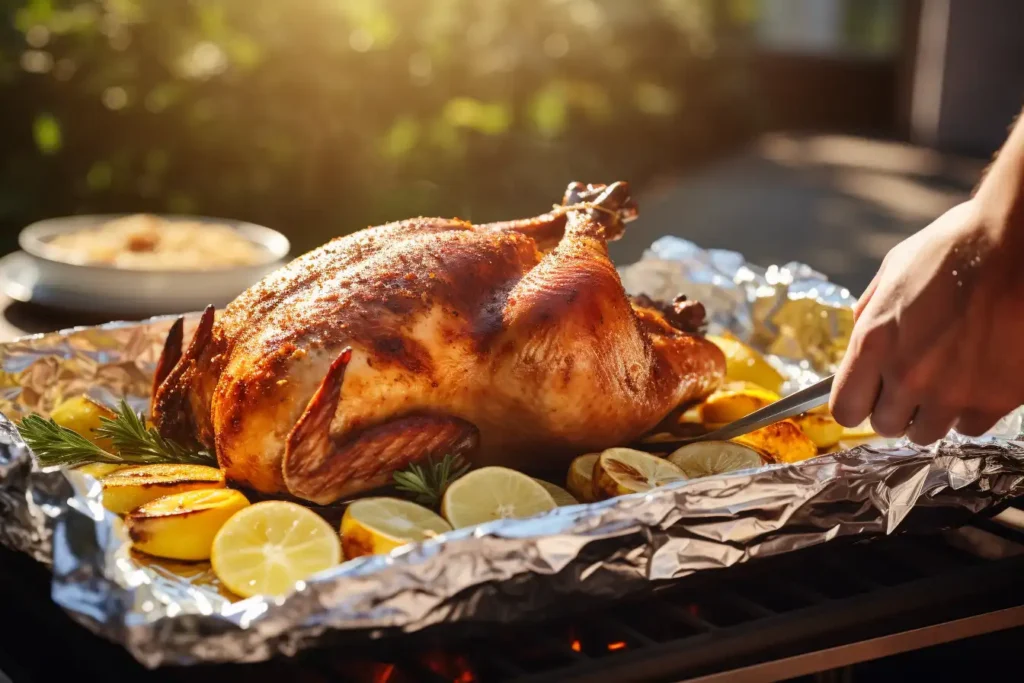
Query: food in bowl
[[145, 242]]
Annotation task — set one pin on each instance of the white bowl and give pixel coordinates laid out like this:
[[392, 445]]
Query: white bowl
[[143, 292]]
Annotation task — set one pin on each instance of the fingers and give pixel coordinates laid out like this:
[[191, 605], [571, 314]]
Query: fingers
[[976, 422], [893, 411], [859, 378], [931, 422]]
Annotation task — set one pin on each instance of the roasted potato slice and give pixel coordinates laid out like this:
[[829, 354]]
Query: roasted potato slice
[[99, 470], [780, 442], [728, 405], [182, 526], [745, 364], [127, 489], [82, 414], [821, 427]]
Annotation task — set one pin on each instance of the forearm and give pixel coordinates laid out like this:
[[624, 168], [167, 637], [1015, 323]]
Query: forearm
[[1000, 196]]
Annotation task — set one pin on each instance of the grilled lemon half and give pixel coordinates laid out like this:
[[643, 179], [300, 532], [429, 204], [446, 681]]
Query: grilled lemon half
[[376, 526]]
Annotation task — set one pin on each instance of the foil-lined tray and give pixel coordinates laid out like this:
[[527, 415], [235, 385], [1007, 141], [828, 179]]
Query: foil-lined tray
[[167, 613]]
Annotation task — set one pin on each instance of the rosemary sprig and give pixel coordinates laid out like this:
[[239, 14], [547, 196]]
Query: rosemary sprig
[[55, 445], [134, 443], [427, 483], [132, 438]]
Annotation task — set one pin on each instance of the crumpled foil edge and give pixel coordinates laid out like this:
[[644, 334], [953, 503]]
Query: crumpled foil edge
[[496, 573]]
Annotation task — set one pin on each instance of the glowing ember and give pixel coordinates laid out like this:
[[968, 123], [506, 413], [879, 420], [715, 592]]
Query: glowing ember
[[576, 646], [617, 645], [383, 674], [453, 667]]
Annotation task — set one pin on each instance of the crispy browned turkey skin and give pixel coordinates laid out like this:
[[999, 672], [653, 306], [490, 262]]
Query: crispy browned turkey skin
[[513, 342]]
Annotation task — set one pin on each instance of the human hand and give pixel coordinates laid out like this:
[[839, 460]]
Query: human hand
[[939, 335]]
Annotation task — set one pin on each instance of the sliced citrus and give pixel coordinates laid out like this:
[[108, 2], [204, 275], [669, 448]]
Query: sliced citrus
[[266, 548], [561, 496], [621, 471], [376, 526], [705, 458], [491, 493], [780, 442], [580, 478], [182, 526], [127, 489], [745, 364]]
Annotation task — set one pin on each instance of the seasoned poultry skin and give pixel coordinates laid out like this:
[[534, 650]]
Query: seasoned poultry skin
[[513, 343]]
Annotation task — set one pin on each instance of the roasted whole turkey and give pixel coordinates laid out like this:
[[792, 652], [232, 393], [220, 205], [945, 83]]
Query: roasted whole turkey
[[513, 343]]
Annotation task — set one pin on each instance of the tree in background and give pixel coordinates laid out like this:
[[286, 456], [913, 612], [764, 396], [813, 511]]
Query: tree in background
[[322, 116]]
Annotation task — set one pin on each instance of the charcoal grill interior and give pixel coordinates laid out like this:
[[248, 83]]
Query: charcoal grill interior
[[817, 609]]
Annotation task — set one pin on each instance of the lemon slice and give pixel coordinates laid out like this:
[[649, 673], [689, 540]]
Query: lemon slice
[[376, 526], [621, 471], [705, 458], [580, 479], [743, 363], [182, 526], [267, 547], [491, 493], [127, 489], [560, 495]]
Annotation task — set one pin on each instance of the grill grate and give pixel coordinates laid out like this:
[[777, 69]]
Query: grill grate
[[840, 592]]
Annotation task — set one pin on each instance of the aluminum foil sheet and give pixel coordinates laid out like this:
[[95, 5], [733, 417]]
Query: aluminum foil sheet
[[167, 613]]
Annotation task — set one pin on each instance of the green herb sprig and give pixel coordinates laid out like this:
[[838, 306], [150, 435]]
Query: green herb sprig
[[132, 438], [427, 483], [133, 443]]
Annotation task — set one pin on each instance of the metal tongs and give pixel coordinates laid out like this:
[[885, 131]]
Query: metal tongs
[[794, 404]]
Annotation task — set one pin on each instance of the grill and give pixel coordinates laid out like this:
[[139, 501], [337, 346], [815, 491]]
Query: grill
[[816, 610]]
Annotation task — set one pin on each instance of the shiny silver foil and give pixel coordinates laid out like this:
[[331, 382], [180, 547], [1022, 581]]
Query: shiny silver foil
[[168, 613]]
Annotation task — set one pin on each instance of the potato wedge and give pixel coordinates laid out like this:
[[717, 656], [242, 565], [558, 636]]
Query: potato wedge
[[725, 406], [182, 526], [127, 489], [82, 414], [745, 364], [780, 442], [821, 427]]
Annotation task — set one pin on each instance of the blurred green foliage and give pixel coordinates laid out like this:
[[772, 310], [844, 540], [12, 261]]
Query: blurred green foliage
[[322, 116]]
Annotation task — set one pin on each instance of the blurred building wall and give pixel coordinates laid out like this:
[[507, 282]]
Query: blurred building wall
[[969, 74]]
